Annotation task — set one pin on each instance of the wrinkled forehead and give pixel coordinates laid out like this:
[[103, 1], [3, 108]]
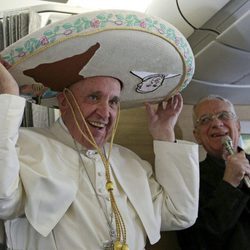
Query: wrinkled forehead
[[98, 83], [212, 107]]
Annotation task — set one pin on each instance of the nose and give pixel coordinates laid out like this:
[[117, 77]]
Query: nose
[[216, 122], [103, 109]]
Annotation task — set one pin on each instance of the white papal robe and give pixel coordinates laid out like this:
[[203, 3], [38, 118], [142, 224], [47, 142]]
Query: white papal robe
[[48, 201]]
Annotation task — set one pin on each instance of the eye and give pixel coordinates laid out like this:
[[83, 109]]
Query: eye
[[93, 97], [204, 120], [225, 115]]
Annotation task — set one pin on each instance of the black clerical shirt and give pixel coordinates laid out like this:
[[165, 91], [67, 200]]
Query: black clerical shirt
[[224, 212]]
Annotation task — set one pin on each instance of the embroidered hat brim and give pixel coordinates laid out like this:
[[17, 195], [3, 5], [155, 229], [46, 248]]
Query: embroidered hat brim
[[152, 58]]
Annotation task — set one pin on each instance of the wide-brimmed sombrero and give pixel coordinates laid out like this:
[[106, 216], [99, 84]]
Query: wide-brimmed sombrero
[[150, 56]]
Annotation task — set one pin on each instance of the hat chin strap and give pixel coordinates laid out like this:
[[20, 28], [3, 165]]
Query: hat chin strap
[[120, 242]]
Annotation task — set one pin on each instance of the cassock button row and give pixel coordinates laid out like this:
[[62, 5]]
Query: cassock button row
[[100, 173]]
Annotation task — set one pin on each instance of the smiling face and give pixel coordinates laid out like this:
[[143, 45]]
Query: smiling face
[[98, 101], [210, 135], [150, 84]]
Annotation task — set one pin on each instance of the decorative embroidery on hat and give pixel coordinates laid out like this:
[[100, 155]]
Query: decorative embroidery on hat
[[148, 55]]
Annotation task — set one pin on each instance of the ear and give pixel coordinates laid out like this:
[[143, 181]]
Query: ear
[[238, 126], [197, 136], [61, 101]]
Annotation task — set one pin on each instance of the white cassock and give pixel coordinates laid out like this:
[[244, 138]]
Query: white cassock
[[48, 201]]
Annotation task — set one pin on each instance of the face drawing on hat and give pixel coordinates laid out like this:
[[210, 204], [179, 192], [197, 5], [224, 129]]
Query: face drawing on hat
[[150, 81]]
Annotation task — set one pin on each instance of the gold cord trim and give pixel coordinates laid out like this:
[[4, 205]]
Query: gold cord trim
[[120, 225]]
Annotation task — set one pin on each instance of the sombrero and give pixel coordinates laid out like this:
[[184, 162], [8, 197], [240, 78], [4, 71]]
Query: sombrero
[[151, 57]]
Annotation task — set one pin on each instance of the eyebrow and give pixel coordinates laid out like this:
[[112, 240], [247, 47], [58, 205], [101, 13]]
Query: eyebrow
[[97, 92]]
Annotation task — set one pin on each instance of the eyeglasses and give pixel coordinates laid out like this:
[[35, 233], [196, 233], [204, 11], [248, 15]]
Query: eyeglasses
[[222, 116]]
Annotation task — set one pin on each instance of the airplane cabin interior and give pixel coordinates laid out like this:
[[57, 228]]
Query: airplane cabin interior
[[218, 32]]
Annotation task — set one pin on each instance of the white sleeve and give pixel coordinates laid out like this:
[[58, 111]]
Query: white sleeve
[[177, 171], [11, 113]]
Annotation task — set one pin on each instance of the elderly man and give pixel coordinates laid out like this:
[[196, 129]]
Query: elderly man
[[52, 188], [224, 207]]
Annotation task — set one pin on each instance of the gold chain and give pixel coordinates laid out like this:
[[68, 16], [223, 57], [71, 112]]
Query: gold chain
[[121, 236]]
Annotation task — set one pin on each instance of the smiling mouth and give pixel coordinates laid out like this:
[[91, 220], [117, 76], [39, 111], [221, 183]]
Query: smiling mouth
[[95, 124], [219, 135]]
